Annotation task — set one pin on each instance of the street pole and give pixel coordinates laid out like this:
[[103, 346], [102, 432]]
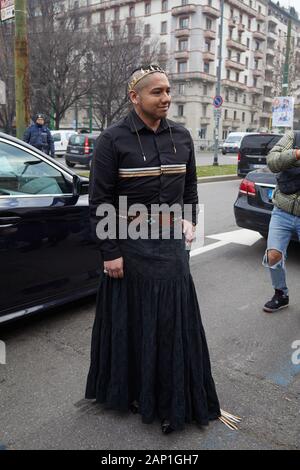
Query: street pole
[[21, 68], [218, 86], [285, 80], [90, 114]]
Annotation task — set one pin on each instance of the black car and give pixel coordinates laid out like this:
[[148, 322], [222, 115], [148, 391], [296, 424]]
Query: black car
[[253, 152], [80, 149], [47, 253]]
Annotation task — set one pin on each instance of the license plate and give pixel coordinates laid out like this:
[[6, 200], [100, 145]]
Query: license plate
[[74, 151], [257, 165], [270, 194]]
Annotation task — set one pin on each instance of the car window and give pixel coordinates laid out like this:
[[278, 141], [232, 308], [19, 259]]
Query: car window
[[259, 143], [233, 138], [56, 137], [77, 139], [22, 173]]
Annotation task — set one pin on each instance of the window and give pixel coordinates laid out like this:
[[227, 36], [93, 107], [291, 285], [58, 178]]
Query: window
[[180, 110], [237, 76], [248, 42], [182, 44], [234, 115], [229, 53], [183, 23], [249, 23], [245, 80], [163, 29], [131, 12], [256, 64], [226, 114], [228, 74], [181, 89], [147, 30], [206, 67], [163, 47], [146, 50], [147, 8], [236, 97], [247, 62], [182, 67], [256, 45], [22, 173], [207, 46], [164, 5], [117, 14], [204, 110], [227, 95], [131, 29], [230, 33], [205, 90], [238, 57], [102, 17], [244, 99], [243, 117], [255, 82], [202, 132], [208, 24]]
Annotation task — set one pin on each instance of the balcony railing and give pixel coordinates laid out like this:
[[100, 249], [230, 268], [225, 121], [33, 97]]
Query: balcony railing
[[232, 64], [208, 56], [206, 77], [259, 35], [258, 54], [236, 45], [209, 34], [181, 55], [184, 10], [258, 73], [270, 51], [232, 84], [205, 120], [182, 32], [241, 28], [261, 17], [211, 11], [242, 7]]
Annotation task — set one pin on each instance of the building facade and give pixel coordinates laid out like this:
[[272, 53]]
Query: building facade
[[187, 36]]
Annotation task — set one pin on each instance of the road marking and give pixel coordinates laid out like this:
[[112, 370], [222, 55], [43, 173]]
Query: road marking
[[241, 237]]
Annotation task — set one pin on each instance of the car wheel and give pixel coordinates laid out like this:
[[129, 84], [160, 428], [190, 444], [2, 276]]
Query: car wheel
[[223, 152], [69, 164]]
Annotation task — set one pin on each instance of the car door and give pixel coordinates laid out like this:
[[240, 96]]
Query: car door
[[46, 250]]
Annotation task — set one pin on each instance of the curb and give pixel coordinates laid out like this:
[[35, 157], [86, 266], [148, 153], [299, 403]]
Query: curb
[[213, 179]]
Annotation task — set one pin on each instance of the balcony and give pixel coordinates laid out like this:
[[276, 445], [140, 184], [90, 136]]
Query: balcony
[[258, 55], [232, 23], [255, 90], [181, 55], [242, 7], [259, 35], [178, 99], [232, 84], [272, 35], [182, 32], [270, 51], [206, 99], [241, 28], [269, 67], [184, 10], [187, 76], [266, 114], [208, 56], [261, 18], [227, 122], [258, 73], [204, 120], [236, 45], [208, 34], [268, 83], [232, 64], [267, 99], [236, 123], [180, 119], [211, 11]]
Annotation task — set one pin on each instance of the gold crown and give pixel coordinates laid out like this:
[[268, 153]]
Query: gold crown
[[144, 73]]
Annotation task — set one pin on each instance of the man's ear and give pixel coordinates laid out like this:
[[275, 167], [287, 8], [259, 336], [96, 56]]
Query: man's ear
[[133, 97]]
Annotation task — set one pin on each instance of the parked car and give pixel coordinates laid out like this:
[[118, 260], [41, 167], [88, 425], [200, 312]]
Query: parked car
[[232, 143], [80, 149], [61, 139], [253, 206], [253, 151], [48, 256]]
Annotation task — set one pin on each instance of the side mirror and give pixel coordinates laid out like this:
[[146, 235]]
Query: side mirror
[[80, 185]]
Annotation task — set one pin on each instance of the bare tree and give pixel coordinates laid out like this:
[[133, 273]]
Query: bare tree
[[58, 58], [7, 111], [117, 50]]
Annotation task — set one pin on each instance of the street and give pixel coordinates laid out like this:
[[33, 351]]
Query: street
[[42, 384]]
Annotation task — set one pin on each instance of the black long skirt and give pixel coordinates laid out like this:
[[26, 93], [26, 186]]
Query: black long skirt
[[148, 341]]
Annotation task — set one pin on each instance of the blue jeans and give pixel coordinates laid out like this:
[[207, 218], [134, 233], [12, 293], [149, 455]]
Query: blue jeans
[[282, 226]]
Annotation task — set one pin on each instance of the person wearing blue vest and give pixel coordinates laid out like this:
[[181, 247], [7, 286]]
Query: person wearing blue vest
[[284, 160], [39, 136]]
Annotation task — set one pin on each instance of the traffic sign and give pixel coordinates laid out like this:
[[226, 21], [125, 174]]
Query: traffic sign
[[7, 9], [218, 101]]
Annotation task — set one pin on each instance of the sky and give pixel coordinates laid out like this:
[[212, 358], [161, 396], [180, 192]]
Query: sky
[[292, 3]]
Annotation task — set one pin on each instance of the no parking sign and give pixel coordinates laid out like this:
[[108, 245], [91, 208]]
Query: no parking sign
[[218, 101]]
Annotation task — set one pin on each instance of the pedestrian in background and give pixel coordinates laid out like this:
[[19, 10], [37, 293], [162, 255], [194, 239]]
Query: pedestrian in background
[[38, 135], [284, 159]]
